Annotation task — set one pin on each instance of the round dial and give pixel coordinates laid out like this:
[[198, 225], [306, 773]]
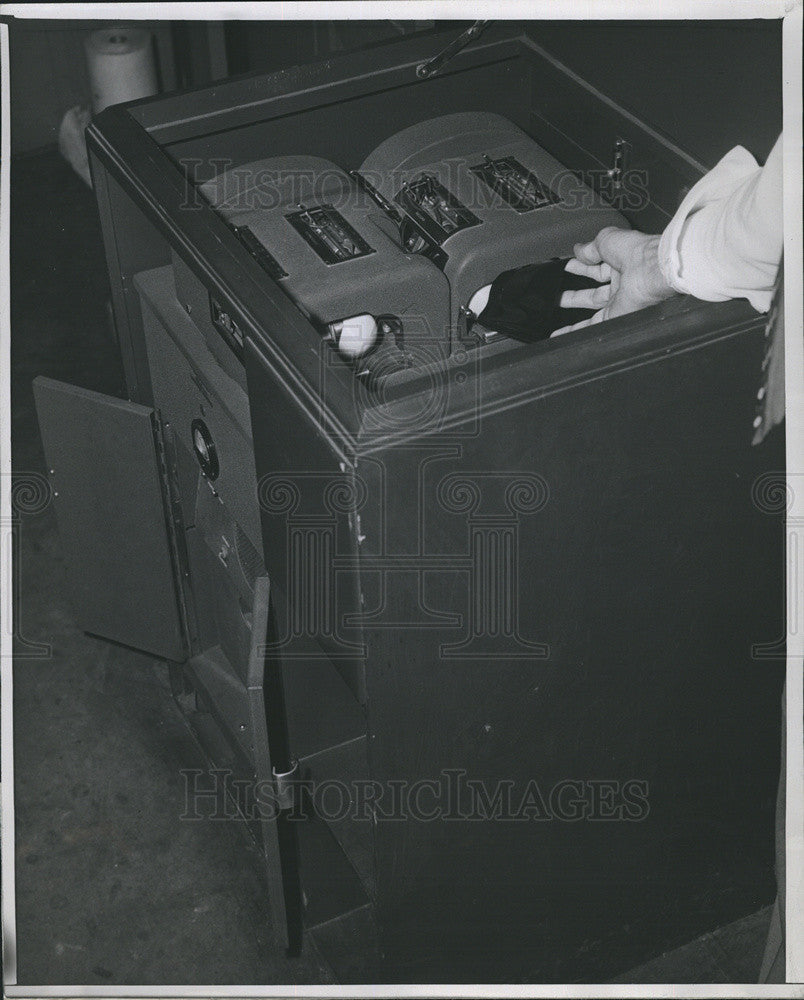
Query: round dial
[[204, 448]]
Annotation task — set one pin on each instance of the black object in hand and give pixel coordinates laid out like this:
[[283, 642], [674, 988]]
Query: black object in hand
[[525, 303]]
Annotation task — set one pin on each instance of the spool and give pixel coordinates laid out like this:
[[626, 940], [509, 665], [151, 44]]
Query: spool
[[121, 65], [355, 335]]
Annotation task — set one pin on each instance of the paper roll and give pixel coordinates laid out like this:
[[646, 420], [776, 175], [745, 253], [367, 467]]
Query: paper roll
[[121, 65]]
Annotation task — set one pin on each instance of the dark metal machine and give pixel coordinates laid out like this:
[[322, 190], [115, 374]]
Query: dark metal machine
[[435, 213], [476, 186], [488, 631], [328, 245]]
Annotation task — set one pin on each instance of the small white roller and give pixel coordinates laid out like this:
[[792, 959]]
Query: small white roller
[[479, 300], [354, 335]]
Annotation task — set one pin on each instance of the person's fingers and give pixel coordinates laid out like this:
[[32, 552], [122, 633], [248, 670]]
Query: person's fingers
[[598, 317], [573, 326], [587, 253], [585, 298], [598, 272], [566, 329], [611, 245]]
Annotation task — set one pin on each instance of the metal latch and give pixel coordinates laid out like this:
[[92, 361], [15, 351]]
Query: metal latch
[[622, 149], [432, 66], [284, 783]]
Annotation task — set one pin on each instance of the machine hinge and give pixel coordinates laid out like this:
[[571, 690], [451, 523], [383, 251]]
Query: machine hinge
[[432, 66], [622, 150], [166, 458], [284, 783]]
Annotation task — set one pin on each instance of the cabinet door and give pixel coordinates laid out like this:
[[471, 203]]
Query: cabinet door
[[111, 503]]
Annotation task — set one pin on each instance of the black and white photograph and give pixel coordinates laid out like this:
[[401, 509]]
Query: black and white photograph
[[402, 521]]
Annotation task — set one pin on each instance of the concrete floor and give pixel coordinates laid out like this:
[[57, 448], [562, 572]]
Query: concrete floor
[[113, 887]]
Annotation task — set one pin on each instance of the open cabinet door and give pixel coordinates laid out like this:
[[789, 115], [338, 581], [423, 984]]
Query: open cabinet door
[[238, 716], [236, 711], [121, 541], [111, 501]]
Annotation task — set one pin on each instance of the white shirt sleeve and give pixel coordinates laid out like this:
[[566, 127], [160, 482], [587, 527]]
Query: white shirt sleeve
[[725, 240]]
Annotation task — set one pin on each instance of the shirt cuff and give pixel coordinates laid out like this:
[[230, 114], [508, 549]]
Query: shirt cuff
[[682, 268]]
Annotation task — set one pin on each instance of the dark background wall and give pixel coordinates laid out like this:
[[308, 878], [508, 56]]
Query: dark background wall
[[708, 85], [49, 74]]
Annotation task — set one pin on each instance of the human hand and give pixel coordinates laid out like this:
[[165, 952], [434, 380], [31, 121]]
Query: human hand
[[628, 263]]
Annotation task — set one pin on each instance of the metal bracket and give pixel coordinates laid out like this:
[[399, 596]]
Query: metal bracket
[[432, 66], [284, 783], [465, 319], [413, 237], [622, 150]]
